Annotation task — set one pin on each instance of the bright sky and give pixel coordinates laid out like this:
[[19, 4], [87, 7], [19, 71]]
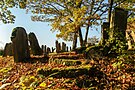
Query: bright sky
[[41, 29]]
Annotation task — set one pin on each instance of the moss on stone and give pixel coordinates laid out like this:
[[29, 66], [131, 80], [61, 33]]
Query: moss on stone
[[69, 72], [67, 62]]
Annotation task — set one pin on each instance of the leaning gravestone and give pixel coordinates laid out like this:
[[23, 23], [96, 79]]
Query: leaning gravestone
[[8, 50], [34, 45], [20, 44]]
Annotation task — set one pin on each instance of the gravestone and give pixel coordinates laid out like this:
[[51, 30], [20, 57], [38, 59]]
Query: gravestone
[[67, 48], [63, 47], [117, 32], [70, 48], [42, 47], [58, 46], [8, 50], [20, 44], [45, 51], [34, 45], [48, 50], [119, 23]]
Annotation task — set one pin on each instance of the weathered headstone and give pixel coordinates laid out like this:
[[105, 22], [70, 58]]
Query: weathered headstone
[[34, 45], [20, 44], [45, 51], [70, 48], [117, 32], [48, 50], [8, 50], [63, 47], [119, 23], [42, 47], [57, 46], [67, 49]]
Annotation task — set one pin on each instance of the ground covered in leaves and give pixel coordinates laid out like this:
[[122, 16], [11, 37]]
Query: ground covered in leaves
[[97, 74]]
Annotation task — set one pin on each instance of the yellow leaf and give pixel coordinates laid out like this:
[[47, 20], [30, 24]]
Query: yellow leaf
[[42, 84]]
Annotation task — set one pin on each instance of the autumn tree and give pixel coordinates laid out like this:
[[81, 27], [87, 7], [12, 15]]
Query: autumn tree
[[68, 17]]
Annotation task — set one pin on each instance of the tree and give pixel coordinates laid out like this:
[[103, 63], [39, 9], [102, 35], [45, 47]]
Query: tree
[[68, 17]]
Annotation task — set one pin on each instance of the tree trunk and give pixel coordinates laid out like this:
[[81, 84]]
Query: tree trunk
[[86, 35], [110, 10], [75, 41], [80, 37]]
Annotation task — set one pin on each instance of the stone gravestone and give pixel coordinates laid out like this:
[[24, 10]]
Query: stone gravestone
[[34, 45], [48, 50], [57, 46], [42, 47], [119, 23], [67, 49], [118, 28], [45, 51], [63, 47], [8, 50], [20, 44]]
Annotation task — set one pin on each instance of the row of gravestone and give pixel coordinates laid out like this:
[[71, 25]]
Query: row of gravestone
[[59, 48], [21, 50]]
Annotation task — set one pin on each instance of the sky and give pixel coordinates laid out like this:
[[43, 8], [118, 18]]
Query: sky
[[41, 30]]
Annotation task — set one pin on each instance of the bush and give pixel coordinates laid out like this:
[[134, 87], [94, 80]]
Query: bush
[[1, 52]]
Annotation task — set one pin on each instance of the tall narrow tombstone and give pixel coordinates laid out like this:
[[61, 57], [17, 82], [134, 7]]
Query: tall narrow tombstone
[[118, 28], [57, 46], [63, 47], [8, 50], [105, 35], [70, 48], [45, 51], [34, 45], [119, 23], [48, 50], [20, 44], [67, 49]]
